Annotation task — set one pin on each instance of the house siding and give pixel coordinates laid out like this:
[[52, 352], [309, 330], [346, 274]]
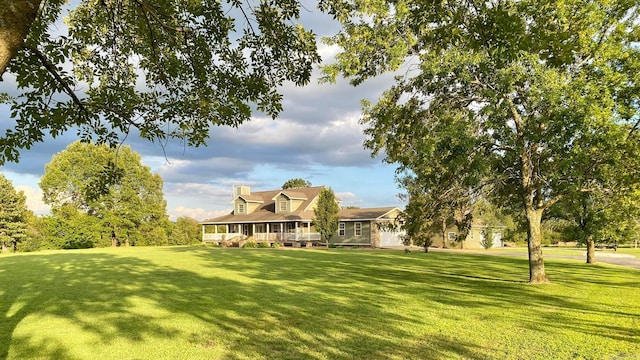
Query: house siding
[[350, 238], [252, 207], [236, 203], [295, 204], [472, 241]]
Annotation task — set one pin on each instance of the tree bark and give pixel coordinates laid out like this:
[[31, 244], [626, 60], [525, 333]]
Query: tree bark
[[444, 233], [16, 18], [537, 274], [591, 250]]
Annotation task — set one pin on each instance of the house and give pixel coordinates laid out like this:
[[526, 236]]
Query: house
[[285, 217], [473, 240]]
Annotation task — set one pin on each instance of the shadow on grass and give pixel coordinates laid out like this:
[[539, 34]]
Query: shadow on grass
[[275, 303], [96, 292]]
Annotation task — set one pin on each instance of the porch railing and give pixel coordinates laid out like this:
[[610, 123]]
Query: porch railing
[[286, 236], [220, 237]]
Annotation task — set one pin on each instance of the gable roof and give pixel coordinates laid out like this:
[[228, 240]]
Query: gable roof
[[292, 195], [266, 211], [365, 214], [251, 198]]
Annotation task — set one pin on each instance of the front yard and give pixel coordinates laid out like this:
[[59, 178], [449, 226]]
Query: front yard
[[209, 303]]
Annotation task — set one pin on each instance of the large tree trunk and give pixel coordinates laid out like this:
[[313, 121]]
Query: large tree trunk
[[591, 250], [537, 274], [16, 18]]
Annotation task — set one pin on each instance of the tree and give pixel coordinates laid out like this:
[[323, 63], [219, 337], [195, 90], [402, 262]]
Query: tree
[[296, 183], [326, 215], [607, 196], [185, 231], [129, 208], [532, 79], [173, 68], [13, 210]]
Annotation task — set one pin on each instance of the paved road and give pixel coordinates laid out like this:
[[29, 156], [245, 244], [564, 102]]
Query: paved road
[[609, 257]]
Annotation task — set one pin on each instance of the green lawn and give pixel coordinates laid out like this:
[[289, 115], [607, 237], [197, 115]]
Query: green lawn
[[569, 250], [208, 303]]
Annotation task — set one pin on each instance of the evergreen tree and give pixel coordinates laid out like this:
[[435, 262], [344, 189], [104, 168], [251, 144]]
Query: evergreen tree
[[326, 215], [13, 210]]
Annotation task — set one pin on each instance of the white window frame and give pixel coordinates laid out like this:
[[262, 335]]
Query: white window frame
[[342, 229], [357, 229], [291, 227], [240, 208], [282, 202]]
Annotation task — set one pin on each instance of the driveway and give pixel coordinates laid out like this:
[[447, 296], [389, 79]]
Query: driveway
[[609, 257]]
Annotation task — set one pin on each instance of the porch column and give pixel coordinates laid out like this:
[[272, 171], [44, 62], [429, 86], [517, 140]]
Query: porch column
[[203, 227], [296, 227], [253, 230], [215, 229]]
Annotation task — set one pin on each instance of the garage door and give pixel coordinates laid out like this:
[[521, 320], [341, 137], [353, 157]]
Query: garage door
[[391, 238]]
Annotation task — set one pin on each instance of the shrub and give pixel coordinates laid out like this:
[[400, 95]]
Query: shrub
[[263, 245], [275, 245], [250, 245], [331, 246]]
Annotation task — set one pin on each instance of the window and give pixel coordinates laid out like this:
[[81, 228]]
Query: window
[[291, 227], [341, 229], [357, 229], [240, 208], [283, 205], [452, 236]]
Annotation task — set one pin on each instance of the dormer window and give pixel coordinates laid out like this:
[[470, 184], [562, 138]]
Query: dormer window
[[283, 205], [240, 208]]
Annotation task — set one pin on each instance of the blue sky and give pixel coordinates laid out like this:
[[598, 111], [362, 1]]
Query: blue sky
[[317, 137]]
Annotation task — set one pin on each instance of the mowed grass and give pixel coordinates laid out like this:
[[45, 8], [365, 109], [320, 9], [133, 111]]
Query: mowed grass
[[568, 250], [208, 303]]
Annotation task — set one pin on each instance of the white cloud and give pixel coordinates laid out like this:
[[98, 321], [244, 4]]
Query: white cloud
[[348, 198], [195, 213], [34, 199]]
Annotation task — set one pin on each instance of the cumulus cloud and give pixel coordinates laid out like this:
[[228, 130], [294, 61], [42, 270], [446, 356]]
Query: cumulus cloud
[[317, 136], [199, 214], [34, 199], [348, 198]]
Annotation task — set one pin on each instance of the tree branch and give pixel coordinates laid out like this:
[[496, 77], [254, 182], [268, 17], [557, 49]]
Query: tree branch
[[54, 73]]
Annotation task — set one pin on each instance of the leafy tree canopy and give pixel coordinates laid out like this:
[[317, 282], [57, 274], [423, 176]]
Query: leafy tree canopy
[[533, 84], [130, 208], [296, 183], [185, 231], [171, 68]]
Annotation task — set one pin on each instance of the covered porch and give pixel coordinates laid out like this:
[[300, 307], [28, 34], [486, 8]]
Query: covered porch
[[284, 233]]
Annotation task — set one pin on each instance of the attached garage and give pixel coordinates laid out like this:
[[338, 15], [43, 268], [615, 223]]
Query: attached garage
[[391, 238]]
